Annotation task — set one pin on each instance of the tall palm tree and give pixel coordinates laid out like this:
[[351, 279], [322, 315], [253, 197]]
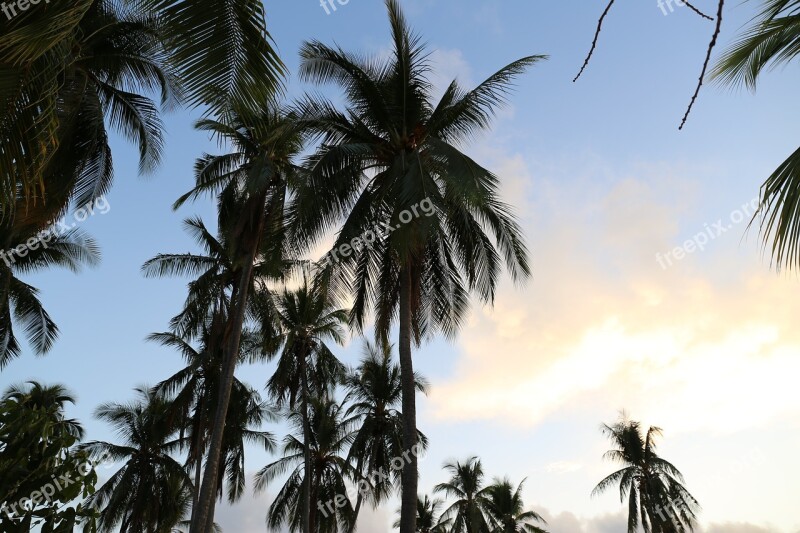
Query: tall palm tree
[[19, 301], [390, 152], [151, 492], [61, 98], [428, 517], [374, 395], [330, 437], [506, 509], [658, 501], [772, 39], [466, 487], [252, 183], [307, 368]]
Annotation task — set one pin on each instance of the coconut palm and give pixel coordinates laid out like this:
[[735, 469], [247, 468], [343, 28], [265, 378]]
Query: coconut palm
[[192, 391], [771, 40], [658, 501], [151, 492], [307, 368], [428, 518], [466, 487], [506, 509], [22, 254], [251, 183], [392, 153], [96, 74], [215, 46], [330, 437], [374, 397]]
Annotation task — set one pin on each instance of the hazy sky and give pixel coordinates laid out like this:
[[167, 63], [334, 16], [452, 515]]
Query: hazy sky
[[602, 180]]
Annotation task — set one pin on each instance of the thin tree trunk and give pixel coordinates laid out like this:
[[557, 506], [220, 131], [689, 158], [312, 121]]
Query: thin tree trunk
[[306, 446], [203, 523], [408, 509], [360, 498]]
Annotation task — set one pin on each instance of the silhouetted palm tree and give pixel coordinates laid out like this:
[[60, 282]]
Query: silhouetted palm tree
[[19, 302], [658, 501], [428, 518], [466, 487], [307, 368], [506, 509], [151, 492], [374, 395], [391, 153], [331, 434]]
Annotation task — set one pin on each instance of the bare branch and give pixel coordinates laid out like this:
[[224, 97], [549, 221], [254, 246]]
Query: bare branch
[[711, 46], [594, 41], [697, 10]]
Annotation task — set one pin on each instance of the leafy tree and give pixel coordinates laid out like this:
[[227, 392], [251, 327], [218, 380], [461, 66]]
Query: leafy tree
[[374, 397], [466, 486], [658, 501], [151, 492], [506, 509], [41, 471], [387, 156], [330, 436], [25, 254]]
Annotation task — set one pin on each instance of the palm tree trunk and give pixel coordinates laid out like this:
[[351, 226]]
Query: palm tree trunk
[[408, 509], [359, 500], [306, 447], [203, 523]]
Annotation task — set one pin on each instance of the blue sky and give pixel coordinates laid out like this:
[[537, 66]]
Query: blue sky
[[603, 181]]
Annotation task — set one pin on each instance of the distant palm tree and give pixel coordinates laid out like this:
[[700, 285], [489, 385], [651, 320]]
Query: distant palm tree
[[466, 487], [19, 302], [506, 509], [658, 501], [374, 395], [307, 368], [192, 391], [390, 153], [330, 437], [428, 518], [151, 492], [771, 40]]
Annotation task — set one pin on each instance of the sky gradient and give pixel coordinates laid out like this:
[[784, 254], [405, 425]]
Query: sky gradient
[[605, 187]]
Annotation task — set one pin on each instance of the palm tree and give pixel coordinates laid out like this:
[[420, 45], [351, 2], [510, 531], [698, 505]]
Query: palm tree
[[428, 519], [251, 183], [466, 486], [330, 436], [657, 497], [506, 510], [307, 368], [216, 46], [771, 40], [390, 153], [191, 392], [102, 55], [374, 397], [151, 492], [19, 301]]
